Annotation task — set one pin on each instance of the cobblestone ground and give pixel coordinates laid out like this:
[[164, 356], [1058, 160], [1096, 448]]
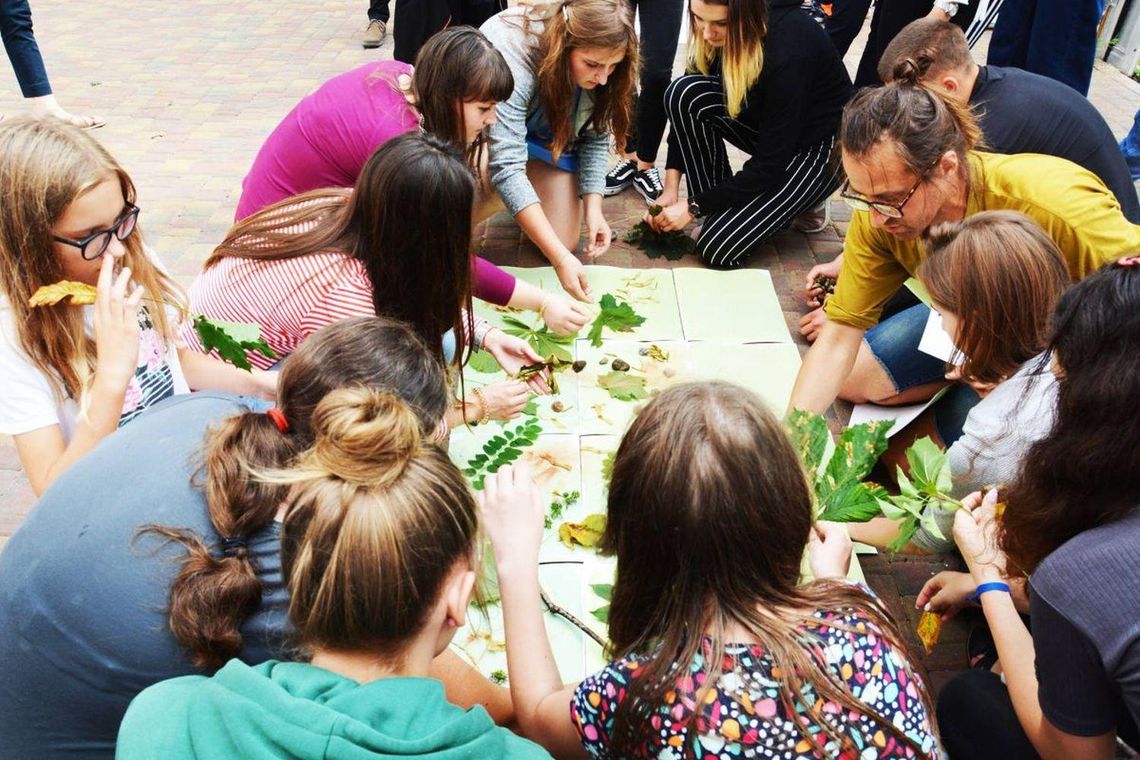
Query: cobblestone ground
[[190, 90]]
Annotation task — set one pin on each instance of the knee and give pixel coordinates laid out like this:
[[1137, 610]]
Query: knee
[[717, 256], [868, 382]]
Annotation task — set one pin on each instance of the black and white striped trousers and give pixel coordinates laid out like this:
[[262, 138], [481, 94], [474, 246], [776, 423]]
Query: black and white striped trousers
[[700, 121]]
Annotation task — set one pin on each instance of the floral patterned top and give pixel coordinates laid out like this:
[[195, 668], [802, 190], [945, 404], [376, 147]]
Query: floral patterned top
[[745, 717]]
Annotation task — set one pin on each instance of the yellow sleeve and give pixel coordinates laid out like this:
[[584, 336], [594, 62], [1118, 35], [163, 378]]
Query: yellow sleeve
[[870, 275]]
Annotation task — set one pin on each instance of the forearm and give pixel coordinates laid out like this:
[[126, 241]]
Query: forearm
[[825, 367], [880, 532], [466, 687], [532, 220], [43, 454], [527, 297], [205, 373], [1015, 650], [592, 203], [530, 660], [672, 181]]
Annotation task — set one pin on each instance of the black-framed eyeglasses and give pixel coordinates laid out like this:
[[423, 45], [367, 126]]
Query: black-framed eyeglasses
[[94, 245], [889, 210]]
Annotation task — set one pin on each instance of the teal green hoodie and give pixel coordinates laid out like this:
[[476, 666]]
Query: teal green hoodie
[[296, 710]]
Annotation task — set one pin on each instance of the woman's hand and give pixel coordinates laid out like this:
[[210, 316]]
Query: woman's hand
[[562, 315], [512, 511], [945, 593], [975, 532], [597, 233], [572, 275], [672, 218], [503, 400], [829, 550], [667, 198], [513, 354], [813, 295], [116, 323]]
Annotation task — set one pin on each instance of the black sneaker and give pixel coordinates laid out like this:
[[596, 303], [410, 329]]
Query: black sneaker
[[648, 183], [620, 177]]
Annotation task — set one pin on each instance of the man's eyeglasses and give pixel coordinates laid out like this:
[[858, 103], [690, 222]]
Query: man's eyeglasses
[[94, 245], [889, 210]]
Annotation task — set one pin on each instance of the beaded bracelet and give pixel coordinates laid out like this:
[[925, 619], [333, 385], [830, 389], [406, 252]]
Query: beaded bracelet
[[484, 415]]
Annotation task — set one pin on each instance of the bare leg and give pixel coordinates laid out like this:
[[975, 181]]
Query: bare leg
[[558, 193], [870, 383]]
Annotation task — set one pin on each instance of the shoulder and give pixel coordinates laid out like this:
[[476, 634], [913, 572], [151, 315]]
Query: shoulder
[[1103, 555], [1014, 182]]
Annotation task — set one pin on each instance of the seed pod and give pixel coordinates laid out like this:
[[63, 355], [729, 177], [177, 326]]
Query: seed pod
[[558, 406]]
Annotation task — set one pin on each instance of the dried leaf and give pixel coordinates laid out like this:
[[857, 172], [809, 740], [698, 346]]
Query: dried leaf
[[929, 629], [80, 293], [623, 386], [618, 317], [586, 533]]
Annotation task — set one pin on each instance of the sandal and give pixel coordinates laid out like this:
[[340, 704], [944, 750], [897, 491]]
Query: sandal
[[981, 651]]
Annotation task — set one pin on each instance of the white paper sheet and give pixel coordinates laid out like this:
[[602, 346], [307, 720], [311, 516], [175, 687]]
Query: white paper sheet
[[935, 340]]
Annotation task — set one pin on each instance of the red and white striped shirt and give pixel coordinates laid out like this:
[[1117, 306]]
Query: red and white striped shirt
[[290, 299]]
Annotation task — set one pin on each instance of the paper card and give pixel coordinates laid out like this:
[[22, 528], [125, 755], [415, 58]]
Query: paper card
[[935, 340], [902, 415], [768, 369], [740, 306], [649, 292], [602, 414]]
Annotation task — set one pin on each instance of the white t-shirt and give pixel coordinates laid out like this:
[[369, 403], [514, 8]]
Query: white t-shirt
[[27, 398]]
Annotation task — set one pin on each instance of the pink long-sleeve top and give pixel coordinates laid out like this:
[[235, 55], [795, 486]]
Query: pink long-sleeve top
[[326, 140]]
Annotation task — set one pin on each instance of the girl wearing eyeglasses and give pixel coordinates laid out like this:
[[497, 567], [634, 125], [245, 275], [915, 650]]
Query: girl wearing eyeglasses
[[73, 375], [911, 158]]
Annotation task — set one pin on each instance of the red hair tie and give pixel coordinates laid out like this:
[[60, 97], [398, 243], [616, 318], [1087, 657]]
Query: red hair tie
[[1128, 261], [278, 418]]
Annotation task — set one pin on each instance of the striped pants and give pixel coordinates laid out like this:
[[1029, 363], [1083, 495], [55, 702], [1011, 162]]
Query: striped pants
[[701, 125]]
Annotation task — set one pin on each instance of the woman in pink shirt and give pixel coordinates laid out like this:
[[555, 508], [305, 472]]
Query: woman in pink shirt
[[395, 245], [326, 139]]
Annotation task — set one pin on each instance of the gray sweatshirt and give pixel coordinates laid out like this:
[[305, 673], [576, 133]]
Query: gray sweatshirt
[[508, 153]]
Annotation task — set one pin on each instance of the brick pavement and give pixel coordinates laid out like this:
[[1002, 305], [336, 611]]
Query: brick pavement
[[190, 90]]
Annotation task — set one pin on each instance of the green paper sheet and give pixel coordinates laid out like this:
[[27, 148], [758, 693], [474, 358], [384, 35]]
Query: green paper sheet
[[740, 306]]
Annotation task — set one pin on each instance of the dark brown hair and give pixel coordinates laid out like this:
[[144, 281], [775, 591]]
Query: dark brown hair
[[709, 513], [214, 592], [919, 123], [927, 46], [377, 519], [456, 65], [583, 24], [1086, 472], [408, 219], [1001, 275]]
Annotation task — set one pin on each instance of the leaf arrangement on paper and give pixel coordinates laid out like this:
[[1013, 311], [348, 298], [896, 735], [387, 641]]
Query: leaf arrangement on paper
[[624, 386], [604, 591], [541, 339], [618, 317], [560, 503], [502, 449], [586, 533], [483, 362]]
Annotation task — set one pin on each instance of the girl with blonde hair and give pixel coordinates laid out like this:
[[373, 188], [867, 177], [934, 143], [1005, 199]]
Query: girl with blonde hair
[[574, 65], [73, 375], [765, 78]]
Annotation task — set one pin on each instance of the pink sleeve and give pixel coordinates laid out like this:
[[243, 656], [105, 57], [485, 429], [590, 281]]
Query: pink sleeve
[[491, 284]]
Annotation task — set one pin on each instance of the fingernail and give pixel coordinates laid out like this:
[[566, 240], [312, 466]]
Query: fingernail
[[926, 607]]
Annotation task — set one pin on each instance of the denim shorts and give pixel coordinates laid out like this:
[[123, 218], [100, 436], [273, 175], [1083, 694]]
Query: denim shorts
[[894, 344], [566, 162]]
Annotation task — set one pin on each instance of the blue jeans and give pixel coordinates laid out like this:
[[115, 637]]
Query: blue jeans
[[23, 52], [1130, 146], [1053, 38], [894, 344]]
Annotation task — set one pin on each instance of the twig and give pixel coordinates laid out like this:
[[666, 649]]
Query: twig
[[561, 612]]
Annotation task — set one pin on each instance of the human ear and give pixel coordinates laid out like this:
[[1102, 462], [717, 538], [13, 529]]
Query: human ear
[[950, 85], [457, 595], [948, 163]]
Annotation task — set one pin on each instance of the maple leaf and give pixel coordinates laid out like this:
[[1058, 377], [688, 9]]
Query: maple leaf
[[586, 533], [623, 386], [619, 317], [231, 340], [80, 293]]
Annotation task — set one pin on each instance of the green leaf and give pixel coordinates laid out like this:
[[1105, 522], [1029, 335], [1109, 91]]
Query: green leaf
[[809, 435], [602, 614], [499, 676], [856, 502], [231, 340], [929, 467], [624, 386], [608, 467], [603, 590], [856, 452], [672, 245], [618, 317], [906, 533], [483, 362]]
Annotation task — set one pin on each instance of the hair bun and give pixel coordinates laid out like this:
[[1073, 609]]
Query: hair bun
[[910, 70], [364, 436]]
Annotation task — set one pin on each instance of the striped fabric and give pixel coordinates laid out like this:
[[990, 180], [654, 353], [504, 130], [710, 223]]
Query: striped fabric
[[983, 19]]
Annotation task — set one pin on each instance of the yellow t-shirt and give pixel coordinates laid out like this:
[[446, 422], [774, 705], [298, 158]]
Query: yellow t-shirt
[[1070, 203]]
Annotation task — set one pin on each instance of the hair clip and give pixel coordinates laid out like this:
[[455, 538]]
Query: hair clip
[[231, 545], [1128, 261], [278, 418], [566, 12]]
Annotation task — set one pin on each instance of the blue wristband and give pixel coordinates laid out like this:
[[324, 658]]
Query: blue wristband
[[983, 588]]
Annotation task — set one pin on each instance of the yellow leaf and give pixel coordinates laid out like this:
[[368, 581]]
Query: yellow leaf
[[80, 294], [586, 533], [929, 629]]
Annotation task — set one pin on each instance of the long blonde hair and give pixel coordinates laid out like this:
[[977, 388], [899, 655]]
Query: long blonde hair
[[742, 58], [45, 165], [563, 26]]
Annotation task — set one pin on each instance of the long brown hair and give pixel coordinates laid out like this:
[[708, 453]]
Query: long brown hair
[[709, 513], [563, 26], [1001, 275], [1086, 472], [45, 165], [742, 59], [377, 518], [921, 124], [214, 592], [408, 219]]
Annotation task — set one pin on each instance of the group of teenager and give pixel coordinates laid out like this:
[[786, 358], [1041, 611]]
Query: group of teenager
[[275, 564]]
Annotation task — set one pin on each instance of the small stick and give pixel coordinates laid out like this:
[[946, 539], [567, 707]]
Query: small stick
[[562, 612]]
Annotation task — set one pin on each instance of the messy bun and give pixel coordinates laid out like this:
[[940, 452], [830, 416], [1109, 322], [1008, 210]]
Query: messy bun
[[364, 436]]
